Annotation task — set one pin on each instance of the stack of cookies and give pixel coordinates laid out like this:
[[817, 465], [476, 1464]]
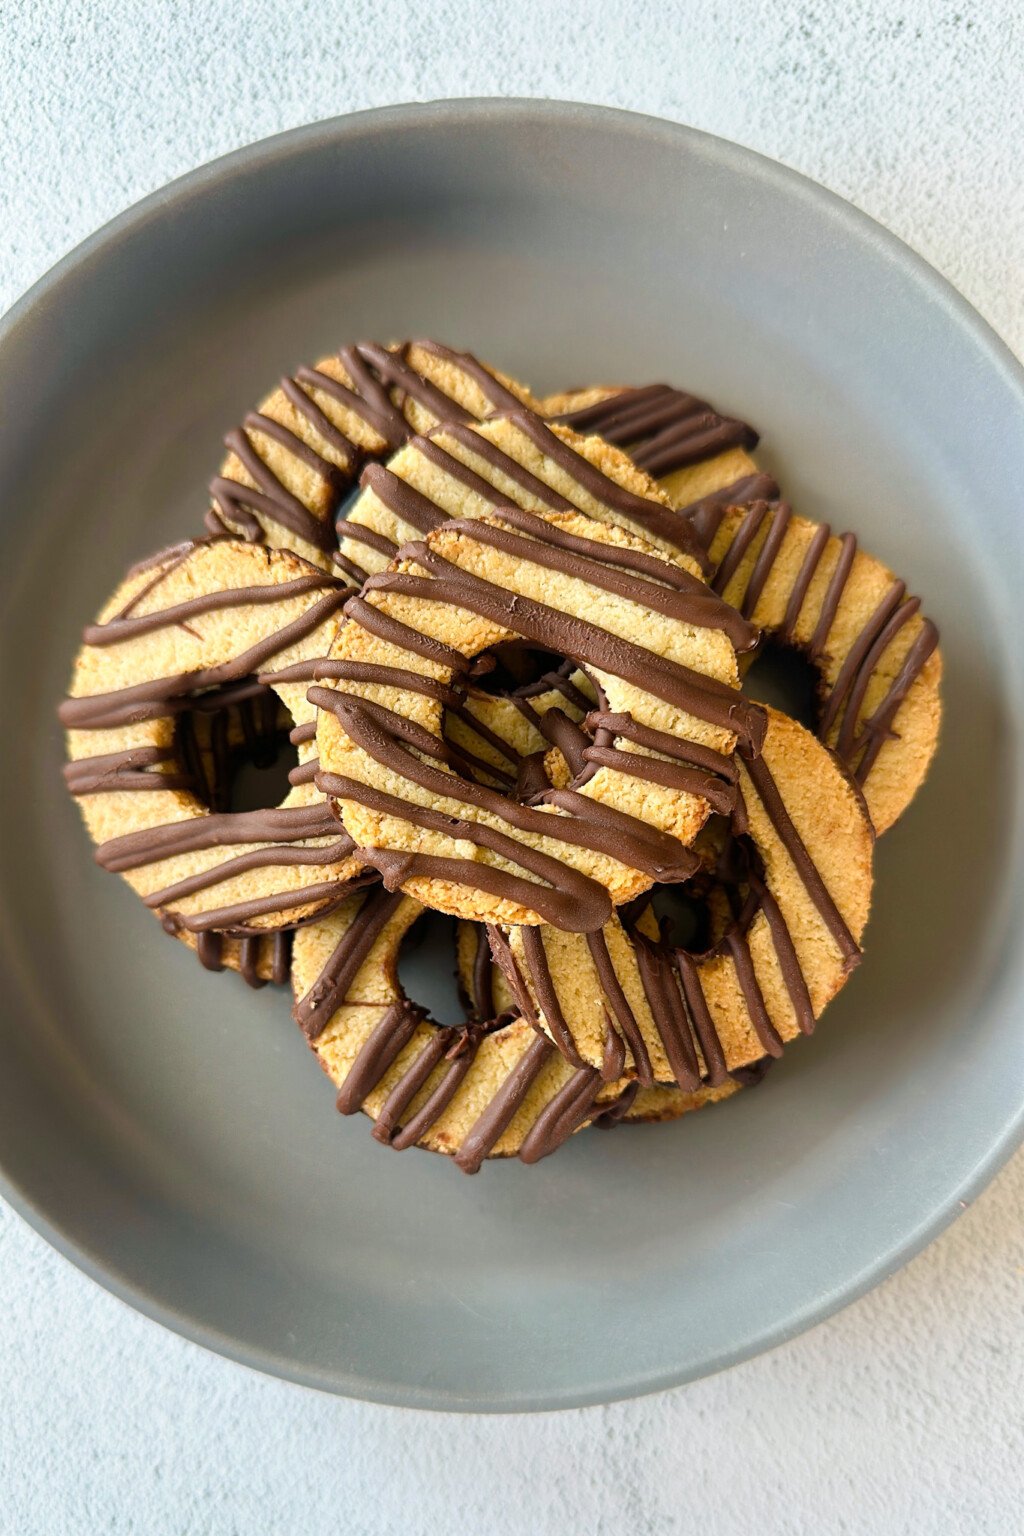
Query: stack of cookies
[[506, 637]]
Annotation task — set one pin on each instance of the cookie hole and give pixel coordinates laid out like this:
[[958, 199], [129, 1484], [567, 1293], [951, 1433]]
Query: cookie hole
[[720, 898], [234, 744], [258, 786], [426, 967], [784, 678], [683, 917], [516, 665]]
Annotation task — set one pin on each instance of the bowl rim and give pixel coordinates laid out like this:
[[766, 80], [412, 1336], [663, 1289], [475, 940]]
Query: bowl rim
[[509, 111]]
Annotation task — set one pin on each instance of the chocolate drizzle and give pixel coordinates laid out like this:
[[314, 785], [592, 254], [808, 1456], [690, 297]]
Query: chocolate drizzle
[[173, 695], [563, 1114], [583, 642], [482, 998], [498, 1115], [810, 876], [314, 1011], [658, 522], [110, 772], [275, 949], [574, 901]]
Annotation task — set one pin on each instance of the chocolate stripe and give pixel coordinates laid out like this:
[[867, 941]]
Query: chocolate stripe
[[259, 858], [379, 1051], [811, 561], [546, 994], [314, 1011], [461, 1056], [563, 1114], [833, 596], [496, 1118], [280, 825], [616, 999], [850, 673], [808, 872], [753, 998], [668, 1010], [409, 1085]]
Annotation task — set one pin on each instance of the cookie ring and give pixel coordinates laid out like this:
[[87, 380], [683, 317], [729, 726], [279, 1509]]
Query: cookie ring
[[472, 584], [468, 1091], [200, 616], [294, 460], [875, 656], [690, 1020]]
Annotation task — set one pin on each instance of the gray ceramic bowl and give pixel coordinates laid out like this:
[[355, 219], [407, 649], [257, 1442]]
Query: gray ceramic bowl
[[167, 1130]]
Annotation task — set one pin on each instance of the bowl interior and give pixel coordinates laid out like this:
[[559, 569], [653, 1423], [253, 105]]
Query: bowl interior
[[168, 1128]]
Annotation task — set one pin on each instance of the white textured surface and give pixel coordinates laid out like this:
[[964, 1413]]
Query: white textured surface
[[904, 1414]]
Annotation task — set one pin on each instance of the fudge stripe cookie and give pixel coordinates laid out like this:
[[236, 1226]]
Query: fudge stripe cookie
[[200, 617], [473, 584], [876, 656], [294, 460], [688, 1018], [495, 1089]]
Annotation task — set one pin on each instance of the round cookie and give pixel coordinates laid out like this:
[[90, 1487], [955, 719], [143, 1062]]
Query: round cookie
[[875, 656], [662, 657], [202, 616], [295, 459], [471, 1092], [690, 1019]]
